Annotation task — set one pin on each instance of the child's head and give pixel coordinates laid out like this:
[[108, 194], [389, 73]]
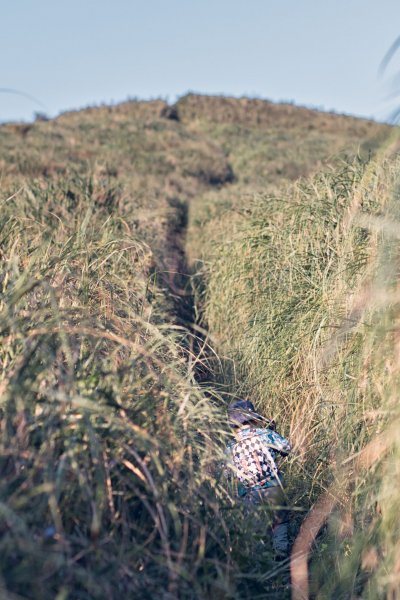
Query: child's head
[[242, 413]]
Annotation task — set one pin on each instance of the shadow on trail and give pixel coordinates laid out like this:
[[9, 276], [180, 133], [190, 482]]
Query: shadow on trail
[[176, 276]]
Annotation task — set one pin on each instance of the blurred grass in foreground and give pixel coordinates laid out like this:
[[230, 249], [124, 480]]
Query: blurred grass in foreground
[[108, 446], [104, 435]]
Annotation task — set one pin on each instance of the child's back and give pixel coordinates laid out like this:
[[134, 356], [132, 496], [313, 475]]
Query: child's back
[[251, 458]]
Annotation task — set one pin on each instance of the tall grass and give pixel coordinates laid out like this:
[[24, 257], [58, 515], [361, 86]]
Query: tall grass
[[303, 298], [104, 435], [110, 451]]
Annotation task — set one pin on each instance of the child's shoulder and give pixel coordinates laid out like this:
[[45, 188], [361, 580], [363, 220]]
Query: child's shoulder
[[268, 433], [262, 431]]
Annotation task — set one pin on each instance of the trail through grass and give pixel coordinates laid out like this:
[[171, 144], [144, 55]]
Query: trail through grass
[[113, 395]]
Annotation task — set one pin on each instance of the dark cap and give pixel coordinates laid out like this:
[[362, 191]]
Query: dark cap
[[243, 411]]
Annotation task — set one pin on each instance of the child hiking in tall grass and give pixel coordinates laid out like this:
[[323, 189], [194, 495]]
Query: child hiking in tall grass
[[251, 458]]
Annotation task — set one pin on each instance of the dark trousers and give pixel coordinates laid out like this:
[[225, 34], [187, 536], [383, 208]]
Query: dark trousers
[[275, 498]]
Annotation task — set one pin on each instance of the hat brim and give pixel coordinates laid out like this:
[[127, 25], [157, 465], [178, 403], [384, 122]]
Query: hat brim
[[240, 417]]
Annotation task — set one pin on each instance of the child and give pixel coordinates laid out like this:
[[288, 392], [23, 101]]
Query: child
[[251, 457]]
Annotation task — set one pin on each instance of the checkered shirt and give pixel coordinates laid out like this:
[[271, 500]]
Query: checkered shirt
[[251, 457]]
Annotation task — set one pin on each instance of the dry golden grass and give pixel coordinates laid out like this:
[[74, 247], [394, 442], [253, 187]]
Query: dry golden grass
[[302, 297], [108, 445]]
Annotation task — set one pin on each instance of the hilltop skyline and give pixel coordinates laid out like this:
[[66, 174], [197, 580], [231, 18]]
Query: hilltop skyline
[[68, 57]]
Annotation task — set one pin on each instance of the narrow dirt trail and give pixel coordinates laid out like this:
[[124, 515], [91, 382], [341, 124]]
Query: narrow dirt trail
[[176, 276]]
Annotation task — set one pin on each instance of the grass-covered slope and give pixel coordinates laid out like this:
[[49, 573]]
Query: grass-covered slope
[[154, 159], [302, 299], [268, 145], [109, 448], [105, 436], [101, 425]]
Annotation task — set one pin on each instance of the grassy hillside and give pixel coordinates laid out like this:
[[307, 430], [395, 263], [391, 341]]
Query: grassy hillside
[[268, 145], [300, 298], [104, 434], [303, 299], [109, 445], [154, 160]]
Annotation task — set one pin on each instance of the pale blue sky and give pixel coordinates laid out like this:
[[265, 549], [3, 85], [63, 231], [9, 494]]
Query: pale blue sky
[[72, 53]]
